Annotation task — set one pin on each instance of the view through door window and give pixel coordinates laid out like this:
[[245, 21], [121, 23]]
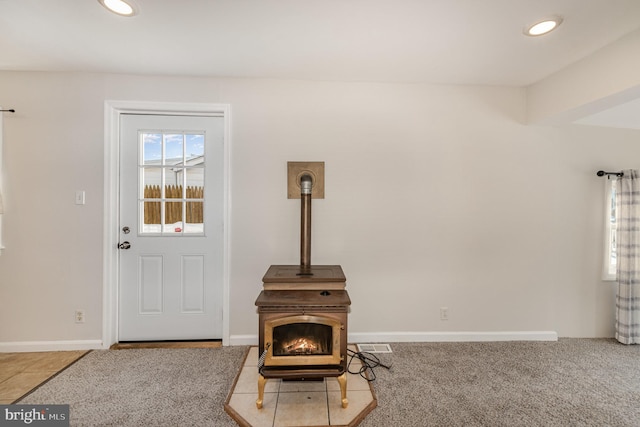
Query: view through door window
[[171, 171]]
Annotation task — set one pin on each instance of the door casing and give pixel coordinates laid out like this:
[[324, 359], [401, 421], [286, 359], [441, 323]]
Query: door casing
[[112, 111]]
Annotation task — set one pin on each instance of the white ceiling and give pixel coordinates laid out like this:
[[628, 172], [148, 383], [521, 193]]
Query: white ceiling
[[431, 41]]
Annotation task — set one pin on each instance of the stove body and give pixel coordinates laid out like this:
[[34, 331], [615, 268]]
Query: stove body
[[303, 325]]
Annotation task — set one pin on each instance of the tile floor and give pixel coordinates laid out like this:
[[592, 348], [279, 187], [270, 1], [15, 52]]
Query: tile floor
[[299, 403], [22, 372]]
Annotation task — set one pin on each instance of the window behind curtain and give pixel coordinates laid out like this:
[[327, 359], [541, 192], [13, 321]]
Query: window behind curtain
[[609, 262], [1, 201]]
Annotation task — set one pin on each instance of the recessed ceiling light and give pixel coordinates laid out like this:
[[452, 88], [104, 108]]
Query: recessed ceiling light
[[121, 7], [543, 27]]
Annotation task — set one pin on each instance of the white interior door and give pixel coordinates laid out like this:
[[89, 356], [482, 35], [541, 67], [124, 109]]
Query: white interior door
[[171, 227]]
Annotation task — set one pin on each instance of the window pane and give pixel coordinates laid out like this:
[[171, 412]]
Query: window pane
[[151, 217], [173, 191], [610, 259], [151, 177], [195, 179], [195, 145], [151, 148], [195, 211], [152, 192], [173, 213], [173, 154], [612, 218], [150, 210]]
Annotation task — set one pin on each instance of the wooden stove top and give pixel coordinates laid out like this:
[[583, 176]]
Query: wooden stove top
[[296, 273], [295, 277]]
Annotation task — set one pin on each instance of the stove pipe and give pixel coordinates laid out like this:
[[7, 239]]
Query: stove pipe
[[306, 183]]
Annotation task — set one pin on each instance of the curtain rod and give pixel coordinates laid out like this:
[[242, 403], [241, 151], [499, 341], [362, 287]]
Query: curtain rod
[[8, 111], [603, 173]]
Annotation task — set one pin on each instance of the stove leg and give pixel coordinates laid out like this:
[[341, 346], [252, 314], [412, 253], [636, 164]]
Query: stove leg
[[261, 382], [342, 380]]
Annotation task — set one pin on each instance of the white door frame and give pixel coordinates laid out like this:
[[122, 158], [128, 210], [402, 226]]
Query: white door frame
[[112, 112]]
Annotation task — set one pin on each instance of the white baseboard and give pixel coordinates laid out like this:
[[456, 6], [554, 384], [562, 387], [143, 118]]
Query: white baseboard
[[354, 338], [377, 337], [373, 337], [26, 346], [243, 340]]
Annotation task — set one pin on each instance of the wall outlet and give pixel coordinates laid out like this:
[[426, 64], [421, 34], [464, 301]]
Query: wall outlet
[[79, 315], [444, 313]]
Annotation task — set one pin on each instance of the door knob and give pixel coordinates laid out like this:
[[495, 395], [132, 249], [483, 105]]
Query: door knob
[[124, 245]]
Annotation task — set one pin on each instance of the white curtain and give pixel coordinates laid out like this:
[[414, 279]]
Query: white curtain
[[628, 257]]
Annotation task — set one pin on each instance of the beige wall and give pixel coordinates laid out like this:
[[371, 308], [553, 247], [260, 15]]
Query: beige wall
[[605, 79], [435, 196]]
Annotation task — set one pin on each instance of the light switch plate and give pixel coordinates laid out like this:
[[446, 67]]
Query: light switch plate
[[296, 169], [80, 197]]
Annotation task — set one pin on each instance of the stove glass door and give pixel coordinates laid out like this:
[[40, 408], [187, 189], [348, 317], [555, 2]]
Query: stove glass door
[[303, 340], [296, 339]]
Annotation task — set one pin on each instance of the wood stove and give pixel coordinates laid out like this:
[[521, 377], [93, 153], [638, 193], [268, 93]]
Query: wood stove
[[303, 317]]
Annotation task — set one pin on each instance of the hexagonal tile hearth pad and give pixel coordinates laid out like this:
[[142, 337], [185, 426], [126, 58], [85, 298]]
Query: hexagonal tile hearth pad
[[298, 403]]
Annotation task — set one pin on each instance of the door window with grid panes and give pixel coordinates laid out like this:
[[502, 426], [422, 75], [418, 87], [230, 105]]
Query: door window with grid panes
[[171, 177]]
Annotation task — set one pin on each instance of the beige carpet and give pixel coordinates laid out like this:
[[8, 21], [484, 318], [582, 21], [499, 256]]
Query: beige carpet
[[572, 382], [146, 387]]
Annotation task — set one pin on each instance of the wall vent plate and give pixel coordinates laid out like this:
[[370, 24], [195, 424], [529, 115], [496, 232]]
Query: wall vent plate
[[374, 348], [296, 169]]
